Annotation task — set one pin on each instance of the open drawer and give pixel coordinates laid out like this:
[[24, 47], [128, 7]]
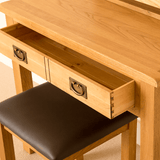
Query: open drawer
[[98, 86], [13, 45], [94, 84]]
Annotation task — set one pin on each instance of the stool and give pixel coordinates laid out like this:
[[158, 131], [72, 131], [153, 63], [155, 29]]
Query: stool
[[58, 126]]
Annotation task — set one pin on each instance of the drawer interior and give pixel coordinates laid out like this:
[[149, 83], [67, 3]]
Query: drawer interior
[[52, 50]]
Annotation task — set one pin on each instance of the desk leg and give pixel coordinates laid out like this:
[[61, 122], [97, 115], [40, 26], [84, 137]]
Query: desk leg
[[23, 79], [150, 122], [23, 82]]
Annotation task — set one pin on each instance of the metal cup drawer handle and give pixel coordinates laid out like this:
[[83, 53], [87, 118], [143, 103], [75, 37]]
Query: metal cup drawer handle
[[20, 54], [78, 88]]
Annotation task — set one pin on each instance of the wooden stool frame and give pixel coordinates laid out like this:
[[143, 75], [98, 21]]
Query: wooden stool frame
[[128, 146]]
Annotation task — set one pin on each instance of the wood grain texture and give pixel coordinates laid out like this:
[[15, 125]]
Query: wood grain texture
[[124, 98], [122, 39], [128, 142], [79, 158], [155, 3], [6, 145], [47, 69], [150, 122], [57, 63], [22, 76], [144, 7], [35, 61], [54, 51], [26, 144], [97, 143], [98, 95], [9, 20], [79, 155]]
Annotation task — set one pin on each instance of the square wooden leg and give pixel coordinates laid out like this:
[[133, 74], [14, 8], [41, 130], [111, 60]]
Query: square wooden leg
[[23, 82], [6, 145], [80, 158], [128, 147], [23, 79]]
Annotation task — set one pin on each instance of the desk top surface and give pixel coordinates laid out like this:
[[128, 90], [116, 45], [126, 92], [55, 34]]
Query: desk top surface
[[117, 37]]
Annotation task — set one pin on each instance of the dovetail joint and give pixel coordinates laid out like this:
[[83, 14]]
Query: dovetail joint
[[112, 102], [112, 99]]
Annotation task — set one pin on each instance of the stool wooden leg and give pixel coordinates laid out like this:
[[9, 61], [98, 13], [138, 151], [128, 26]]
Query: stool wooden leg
[[80, 158], [6, 145], [128, 147], [27, 149]]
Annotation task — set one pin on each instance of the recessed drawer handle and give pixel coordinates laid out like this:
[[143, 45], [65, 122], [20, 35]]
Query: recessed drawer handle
[[78, 88], [20, 54]]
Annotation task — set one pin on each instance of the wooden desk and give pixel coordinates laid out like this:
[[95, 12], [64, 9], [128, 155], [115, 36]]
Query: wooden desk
[[114, 36]]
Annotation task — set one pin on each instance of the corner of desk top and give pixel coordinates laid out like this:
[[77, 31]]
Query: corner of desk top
[[4, 6]]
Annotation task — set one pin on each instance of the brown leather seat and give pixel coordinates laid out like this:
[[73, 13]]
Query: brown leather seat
[[54, 123]]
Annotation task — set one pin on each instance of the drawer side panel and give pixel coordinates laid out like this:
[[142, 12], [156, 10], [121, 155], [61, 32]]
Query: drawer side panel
[[123, 98]]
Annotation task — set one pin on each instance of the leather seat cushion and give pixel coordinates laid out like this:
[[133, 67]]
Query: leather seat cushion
[[54, 123]]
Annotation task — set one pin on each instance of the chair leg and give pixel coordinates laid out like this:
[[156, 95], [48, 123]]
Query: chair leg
[[6, 145], [27, 149], [80, 158], [128, 146]]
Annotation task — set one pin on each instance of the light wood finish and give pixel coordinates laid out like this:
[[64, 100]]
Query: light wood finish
[[128, 142], [26, 144], [99, 97], [123, 98], [126, 46], [22, 77], [11, 36], [9, 21], [108, 91], [131, 127], [150, 122], [115, 36], [97, 143], [155, 3], [79, 158], [144, 8], [21, 74], [47, 69], [27, 148], [6, 145]]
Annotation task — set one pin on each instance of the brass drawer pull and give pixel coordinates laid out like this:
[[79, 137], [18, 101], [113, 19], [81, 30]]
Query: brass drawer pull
[[78, 88], [20, 54]]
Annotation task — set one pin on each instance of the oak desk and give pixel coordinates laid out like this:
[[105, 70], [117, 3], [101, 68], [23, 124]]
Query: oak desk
[[116, 37]]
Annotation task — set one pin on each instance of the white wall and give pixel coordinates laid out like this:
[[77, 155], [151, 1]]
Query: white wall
[[36, 78]]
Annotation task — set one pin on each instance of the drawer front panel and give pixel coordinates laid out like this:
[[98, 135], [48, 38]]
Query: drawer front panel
[[98, 96], [35, 61], [108, 102]]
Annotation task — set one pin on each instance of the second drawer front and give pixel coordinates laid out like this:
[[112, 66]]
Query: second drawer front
[[99, 97], [35, 61]]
